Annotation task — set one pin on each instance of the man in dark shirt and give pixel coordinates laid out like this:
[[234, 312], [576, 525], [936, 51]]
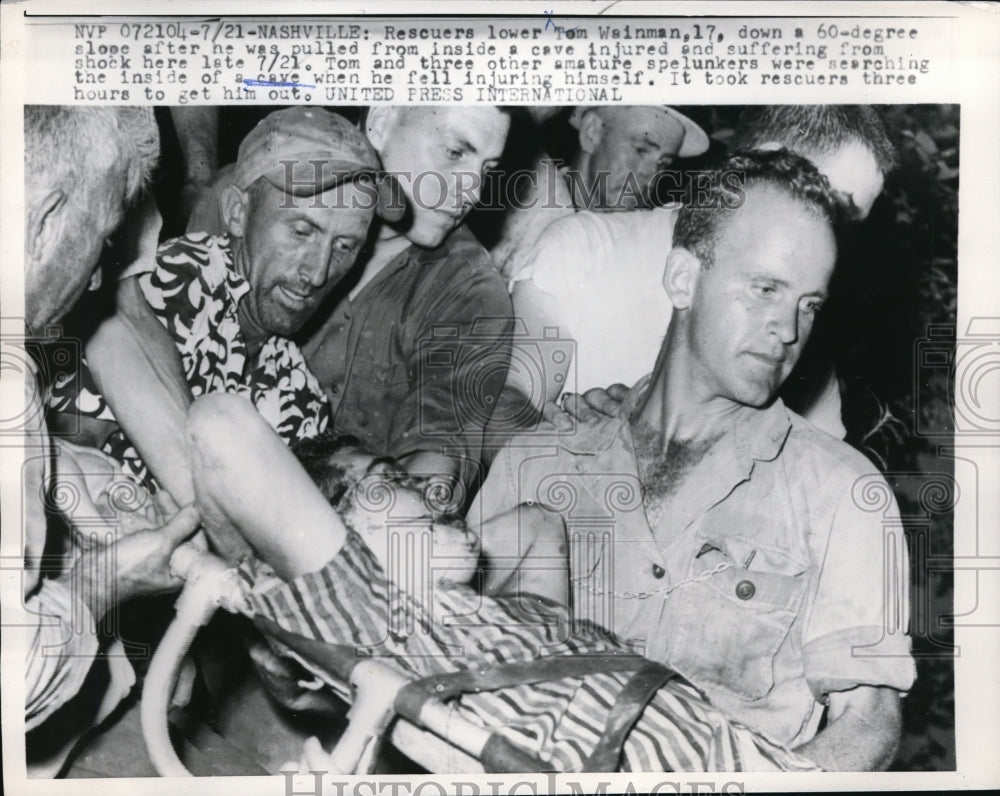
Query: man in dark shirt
[[414, 358]]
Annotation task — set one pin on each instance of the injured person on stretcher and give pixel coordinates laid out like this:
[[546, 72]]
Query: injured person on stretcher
[[366, 561]]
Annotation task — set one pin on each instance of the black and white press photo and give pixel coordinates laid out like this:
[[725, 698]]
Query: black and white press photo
[[518, 399]]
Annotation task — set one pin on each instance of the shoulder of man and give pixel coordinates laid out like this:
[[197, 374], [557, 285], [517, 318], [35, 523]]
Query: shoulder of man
[[462, 250], [461, 266], [584, 438], [591, 242], [824, 462], [196, 254]]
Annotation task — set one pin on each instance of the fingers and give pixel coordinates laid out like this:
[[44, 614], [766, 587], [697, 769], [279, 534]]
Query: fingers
[[552, 413], [577, 407], [184, 523], [601, 401], [165, 503], [618, 391]]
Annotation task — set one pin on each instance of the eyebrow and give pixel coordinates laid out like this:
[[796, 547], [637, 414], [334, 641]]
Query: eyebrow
[[646, 138], [299, 216], [782, 283], [460, 140]]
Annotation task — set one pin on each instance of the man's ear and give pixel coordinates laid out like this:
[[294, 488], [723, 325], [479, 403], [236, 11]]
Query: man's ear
[[680, 277], [591, 131], [234, 203], [380, 121], [45, 223]]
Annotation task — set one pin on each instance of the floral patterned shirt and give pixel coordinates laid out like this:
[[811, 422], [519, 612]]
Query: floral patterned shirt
[[194, 291]]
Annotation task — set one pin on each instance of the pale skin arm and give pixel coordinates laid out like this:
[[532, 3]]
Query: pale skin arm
[[527, 551], [537, 310], [139, 371], [198, 135], [862, 733], [250, 486]]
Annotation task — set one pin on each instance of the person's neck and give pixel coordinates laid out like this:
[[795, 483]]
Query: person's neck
[[254, 336], [673, 409], [389, 243], [580, 166]]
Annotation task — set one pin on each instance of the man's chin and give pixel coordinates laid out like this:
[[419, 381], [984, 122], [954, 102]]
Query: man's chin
[[431, 233]]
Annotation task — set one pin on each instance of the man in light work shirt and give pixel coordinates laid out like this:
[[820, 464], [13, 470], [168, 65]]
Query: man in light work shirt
[[596, 277], [621, 150], [712, 528], [83, 167]]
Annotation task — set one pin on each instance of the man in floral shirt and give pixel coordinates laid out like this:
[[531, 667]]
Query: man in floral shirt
[[214, 313]]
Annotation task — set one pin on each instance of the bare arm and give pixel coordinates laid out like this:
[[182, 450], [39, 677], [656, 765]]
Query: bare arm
[[249, 483], [862, 733], [139, 371], [537, 371], [197, 128]]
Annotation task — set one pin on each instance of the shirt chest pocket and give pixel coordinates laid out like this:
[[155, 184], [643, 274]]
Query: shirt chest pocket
[[727, 627]]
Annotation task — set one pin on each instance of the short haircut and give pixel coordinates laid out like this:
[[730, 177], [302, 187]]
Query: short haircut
[[340, 487], [700, 224], [815, 130], [75, 143]]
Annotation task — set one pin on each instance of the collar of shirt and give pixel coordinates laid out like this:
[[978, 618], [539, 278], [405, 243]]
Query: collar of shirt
[[758, 435], [459, 239], [237, 284]]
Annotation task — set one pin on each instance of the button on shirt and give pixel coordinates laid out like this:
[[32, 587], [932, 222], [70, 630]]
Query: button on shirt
[[774, 573], [416, 361]]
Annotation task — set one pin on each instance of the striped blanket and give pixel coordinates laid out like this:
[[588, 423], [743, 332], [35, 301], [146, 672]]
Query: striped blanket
[[353, 601]]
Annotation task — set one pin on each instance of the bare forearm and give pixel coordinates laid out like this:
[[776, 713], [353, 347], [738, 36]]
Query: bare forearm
[[276, 507], [138, 370], [862, 737], [197, 132]]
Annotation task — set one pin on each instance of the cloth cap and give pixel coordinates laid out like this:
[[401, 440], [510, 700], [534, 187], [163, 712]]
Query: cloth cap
[[695, 139], [304, 151]]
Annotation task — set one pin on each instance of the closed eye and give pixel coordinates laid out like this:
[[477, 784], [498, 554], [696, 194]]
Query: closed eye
[[764, 290], [346, 245]]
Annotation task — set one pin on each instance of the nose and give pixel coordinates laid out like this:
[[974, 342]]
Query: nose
[[785, 323], [312, 273], [466, 189], [315, 266]]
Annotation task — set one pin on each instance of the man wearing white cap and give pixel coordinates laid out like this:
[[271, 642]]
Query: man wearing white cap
[[621, 150]]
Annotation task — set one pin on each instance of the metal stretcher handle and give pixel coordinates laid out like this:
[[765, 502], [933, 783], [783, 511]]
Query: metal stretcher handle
[[420, 701]]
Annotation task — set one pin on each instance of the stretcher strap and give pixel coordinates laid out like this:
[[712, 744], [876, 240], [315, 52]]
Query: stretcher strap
[[635, 696], [500, 755], [413, 695]]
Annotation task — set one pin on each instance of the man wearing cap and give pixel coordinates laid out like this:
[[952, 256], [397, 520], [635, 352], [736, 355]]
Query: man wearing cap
[[214, 313], [621, 150]]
